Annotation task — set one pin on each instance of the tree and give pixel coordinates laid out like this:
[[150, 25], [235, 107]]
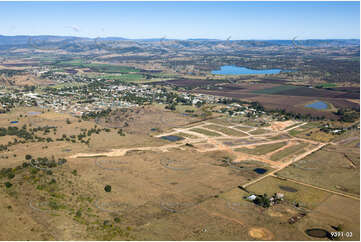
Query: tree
[[8, 184], [78, 214], [107, 188], [206, 112], [28, 157]]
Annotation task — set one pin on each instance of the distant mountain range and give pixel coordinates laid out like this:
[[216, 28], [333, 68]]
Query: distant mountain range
[[21, 39], [119, 44]]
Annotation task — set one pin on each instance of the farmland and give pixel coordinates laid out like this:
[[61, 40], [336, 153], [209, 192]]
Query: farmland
[[215, 156], [138, 140]]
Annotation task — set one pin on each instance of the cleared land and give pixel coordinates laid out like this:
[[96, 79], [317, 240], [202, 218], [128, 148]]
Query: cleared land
[[182, 190], [205, 132], [262, 149], [225, 130], [295, 149], [335, 167]]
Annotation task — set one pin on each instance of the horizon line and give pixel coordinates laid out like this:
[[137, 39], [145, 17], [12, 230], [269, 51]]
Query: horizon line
[[155, 38]]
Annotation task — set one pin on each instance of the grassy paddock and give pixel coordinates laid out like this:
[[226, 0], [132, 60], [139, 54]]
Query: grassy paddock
[[262, 149], [205, 132], [305, 196], [295, 149], [259, 131], [243, 128], [227, 131]]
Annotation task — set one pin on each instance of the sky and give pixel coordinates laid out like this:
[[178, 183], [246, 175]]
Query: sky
[[183, 20]]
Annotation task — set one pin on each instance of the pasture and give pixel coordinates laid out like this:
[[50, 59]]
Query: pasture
[[165, 190]]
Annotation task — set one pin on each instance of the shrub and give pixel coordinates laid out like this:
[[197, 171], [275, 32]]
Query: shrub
[[78, 213], [34, 170], [107, 223], [339, 227], [8, 184], [28, 157], [53, 205], [107, 188], [117, 220], [120, 132], [74, 172], [40, 187], [61, 161], [11, 175]]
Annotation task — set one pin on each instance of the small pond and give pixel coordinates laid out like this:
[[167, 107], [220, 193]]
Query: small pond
[[288, 189], [238, 70], [319, 105], [318, 233], [172, 138], [260, 170]]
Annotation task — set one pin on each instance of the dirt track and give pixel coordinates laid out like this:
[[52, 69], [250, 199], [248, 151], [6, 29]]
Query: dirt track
[[216, 144], [319, 188], [282, 166]]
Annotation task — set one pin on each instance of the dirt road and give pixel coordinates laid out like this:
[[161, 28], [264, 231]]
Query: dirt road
[[284, 165]]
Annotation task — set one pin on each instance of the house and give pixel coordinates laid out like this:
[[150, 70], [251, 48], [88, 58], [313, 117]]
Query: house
[[252, 197]]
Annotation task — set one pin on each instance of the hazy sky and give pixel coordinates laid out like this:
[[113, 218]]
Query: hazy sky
[[240, 20]]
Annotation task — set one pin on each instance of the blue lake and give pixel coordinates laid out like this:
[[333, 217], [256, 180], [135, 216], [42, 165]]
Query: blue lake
[[318, 105], [236, 70]]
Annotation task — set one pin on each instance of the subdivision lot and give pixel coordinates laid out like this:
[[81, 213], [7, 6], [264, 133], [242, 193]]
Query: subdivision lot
[[329, 169], [205, 132], [262, 149], [225, 130], [292, 150], [294, 193]]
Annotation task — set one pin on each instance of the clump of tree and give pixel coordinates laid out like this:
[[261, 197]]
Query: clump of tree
[[96, 114], [120, 132], [8, 184], [348, 115], [262, 200], [108, 188], [171, 106], [206, 112]]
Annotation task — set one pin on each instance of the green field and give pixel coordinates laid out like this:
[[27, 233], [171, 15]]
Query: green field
[[281, 136], [184, 135], [205, 132], [131, 77], [227, 131], [259, 131], [301, 129], [243, 128], [306, 196], [295, 149], [262, 149], [326, 85], [104, 68]]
